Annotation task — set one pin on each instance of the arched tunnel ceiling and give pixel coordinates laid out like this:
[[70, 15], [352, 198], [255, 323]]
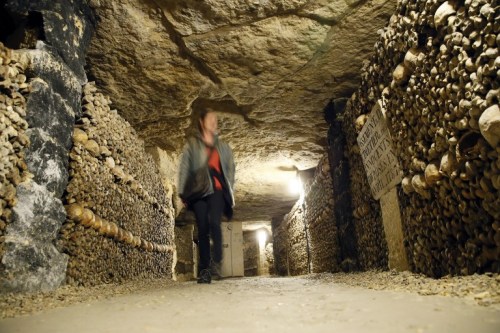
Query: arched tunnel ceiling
[[269, 67]]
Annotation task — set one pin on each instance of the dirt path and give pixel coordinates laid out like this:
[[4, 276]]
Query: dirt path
[[300, 304]]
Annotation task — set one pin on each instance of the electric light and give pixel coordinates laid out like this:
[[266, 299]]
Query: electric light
[[262, 237], [295, 186]]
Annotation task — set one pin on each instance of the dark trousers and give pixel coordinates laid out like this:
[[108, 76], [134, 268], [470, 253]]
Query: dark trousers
[[208, 213]]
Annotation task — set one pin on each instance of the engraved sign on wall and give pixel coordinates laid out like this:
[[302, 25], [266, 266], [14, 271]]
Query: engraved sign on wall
[[375, 143]]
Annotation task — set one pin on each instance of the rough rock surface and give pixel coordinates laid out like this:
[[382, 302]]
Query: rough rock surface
[[67, 29], [269, 67], [31, 261], [51, 172], [13, 138]]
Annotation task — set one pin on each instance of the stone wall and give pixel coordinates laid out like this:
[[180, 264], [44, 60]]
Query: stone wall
[[306, 239], [435, 69], [120, 220], [13, 139], [58, 39], [39, 212]]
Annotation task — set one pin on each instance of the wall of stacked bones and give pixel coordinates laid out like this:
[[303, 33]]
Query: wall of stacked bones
[[435, 67], [306, 239], [120, 221]]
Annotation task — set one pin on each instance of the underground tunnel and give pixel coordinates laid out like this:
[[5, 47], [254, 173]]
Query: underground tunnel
[[365, 135]]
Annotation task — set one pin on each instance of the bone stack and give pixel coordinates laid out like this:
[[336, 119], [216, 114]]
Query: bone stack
[[368, 228], [320, 220], [280, 246], [435, 67], [306, 240], [120, 220], [13, 140], [297, 250]]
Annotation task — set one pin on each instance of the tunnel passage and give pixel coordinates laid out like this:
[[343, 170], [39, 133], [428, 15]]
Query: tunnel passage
[[89, 169], [21, 31]]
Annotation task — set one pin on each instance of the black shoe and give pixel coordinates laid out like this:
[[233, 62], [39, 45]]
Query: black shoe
[[205, 276], [215, 270]]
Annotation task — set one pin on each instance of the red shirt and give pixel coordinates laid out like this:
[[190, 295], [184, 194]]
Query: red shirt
[[214, 163]]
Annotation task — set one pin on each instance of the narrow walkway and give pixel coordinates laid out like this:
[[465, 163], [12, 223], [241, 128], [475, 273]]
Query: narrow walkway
[[263, 305]]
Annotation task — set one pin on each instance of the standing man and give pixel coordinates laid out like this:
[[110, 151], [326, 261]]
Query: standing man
[[206, 155]]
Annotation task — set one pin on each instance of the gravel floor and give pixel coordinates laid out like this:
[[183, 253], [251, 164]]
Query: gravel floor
[[480, 289], [14, 305]]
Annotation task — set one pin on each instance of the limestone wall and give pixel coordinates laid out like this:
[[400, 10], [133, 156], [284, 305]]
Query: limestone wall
[[435, 68], [306, 239], [13, 138], [120, 220]]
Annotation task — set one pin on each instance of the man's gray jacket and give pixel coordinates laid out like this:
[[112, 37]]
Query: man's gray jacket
[[194, 156]]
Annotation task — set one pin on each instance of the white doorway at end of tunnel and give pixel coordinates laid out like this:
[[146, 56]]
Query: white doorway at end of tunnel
[[232, 249]]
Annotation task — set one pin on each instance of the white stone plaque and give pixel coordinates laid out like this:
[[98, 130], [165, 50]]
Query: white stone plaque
[[375, 144]]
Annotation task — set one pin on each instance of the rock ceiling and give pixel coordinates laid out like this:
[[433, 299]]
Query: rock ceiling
[[268, 66]]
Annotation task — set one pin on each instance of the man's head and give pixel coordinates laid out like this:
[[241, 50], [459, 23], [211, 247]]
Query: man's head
[[207, 121]]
